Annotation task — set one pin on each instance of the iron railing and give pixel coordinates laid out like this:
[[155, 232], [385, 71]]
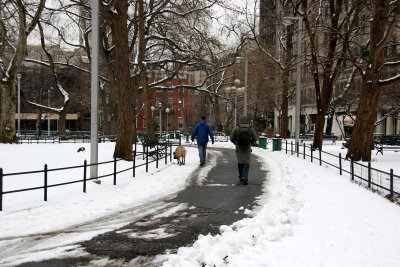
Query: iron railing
[[150, 155], [372, 178]]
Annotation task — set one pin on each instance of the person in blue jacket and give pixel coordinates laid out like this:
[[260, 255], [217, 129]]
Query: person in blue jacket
[[202, 130]]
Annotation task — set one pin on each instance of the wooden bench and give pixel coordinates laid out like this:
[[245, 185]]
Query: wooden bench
[[331, 137], [387, 142], [150, 144]]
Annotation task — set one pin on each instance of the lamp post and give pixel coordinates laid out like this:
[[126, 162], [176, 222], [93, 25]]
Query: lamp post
[[246, 67], [159, 104], [48, 117], [288, 21], [237, 92], [94, 76], [167, 111], [19, 105]]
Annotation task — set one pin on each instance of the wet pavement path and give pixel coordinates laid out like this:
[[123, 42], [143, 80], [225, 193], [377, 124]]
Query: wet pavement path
[[200, 209]]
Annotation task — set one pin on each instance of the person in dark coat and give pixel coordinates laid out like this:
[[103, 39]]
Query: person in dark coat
[[243, 152], [202, 130]]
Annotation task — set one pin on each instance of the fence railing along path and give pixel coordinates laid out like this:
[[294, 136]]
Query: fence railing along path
[[374, 179], [149, 155]]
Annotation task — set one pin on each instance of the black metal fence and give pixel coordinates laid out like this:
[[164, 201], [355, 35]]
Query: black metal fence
[[381, 181], [149, 155]]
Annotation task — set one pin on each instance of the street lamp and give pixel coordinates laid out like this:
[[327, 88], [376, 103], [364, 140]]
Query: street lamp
[[48, 117], [167, 111], [288, 21], [159, 104], [246, 67], [237, 92], [19, 105]]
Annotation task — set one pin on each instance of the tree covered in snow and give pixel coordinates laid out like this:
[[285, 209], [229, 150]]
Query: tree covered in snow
[[17, 21]]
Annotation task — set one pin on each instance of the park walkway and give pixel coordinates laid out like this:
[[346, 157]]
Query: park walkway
[[199, 209]]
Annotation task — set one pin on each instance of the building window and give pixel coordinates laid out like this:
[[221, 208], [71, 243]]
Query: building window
[[169, 122], [180, 122], [170, 103]]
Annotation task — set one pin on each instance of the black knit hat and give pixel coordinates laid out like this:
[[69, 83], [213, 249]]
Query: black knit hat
[[203, 117]]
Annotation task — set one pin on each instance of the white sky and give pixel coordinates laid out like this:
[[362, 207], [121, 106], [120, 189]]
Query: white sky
[[307, 216]]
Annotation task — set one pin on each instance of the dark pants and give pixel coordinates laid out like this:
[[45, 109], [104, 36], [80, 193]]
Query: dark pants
[[243, 170]]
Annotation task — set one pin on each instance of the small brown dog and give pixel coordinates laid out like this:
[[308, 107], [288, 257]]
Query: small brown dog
[[180, 155]]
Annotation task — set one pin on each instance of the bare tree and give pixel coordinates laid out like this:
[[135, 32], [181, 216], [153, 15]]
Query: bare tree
[[17, 19], [375, 78]]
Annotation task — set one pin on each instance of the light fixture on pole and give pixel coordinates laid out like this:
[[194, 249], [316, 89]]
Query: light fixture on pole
[[289, 21], [167, 111], [19, 105], [246, 67], [159, 104], [48, 116], [236, 92]]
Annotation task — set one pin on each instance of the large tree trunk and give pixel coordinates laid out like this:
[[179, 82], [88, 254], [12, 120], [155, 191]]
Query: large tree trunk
[[143, 72], [7, 115], [362, 136], [62, 123], [123, 146], [283, 127]]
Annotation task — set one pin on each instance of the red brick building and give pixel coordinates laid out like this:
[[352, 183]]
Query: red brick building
[[175, 101]]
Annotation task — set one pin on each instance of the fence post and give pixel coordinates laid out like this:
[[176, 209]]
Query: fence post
[[340, 163], [166, 153], [170, 152], [84, 176], [311, 150], [291, 147], [297, 148], [286, 146], [320, 157], [115, 170], [304, 151], [369, 174], [1, 189], [147, 159], [157, 151], [134, 161], [391, 182], [352, 169], [45, 182]]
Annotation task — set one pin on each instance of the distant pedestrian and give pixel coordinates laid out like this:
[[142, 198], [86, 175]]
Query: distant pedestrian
[[243, 136], [202, 130]]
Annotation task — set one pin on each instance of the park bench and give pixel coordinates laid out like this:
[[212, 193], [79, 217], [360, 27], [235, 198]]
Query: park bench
[[151, 143], [330, 137], [387, 142]]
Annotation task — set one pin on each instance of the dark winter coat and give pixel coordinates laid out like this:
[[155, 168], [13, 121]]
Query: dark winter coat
[[202, 130], [243, 153]]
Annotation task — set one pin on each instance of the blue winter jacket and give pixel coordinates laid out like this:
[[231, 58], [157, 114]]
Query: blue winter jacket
[[202, 130]]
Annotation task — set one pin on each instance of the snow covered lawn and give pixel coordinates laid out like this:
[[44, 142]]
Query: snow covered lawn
[[308, 215]]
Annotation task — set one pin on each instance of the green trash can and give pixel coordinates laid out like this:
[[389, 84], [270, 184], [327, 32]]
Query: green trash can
[[276, 144], [177, 136], [262, 142], [171, 135]]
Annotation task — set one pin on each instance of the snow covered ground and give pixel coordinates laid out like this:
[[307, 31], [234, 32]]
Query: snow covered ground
[[309, 215]]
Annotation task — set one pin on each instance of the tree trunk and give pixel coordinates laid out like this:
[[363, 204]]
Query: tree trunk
[[7, 116], [143, 72], [362, 136], [39, 122], [283, 128], [123, 146], [62, 123], [182, 108], [146, 100]]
